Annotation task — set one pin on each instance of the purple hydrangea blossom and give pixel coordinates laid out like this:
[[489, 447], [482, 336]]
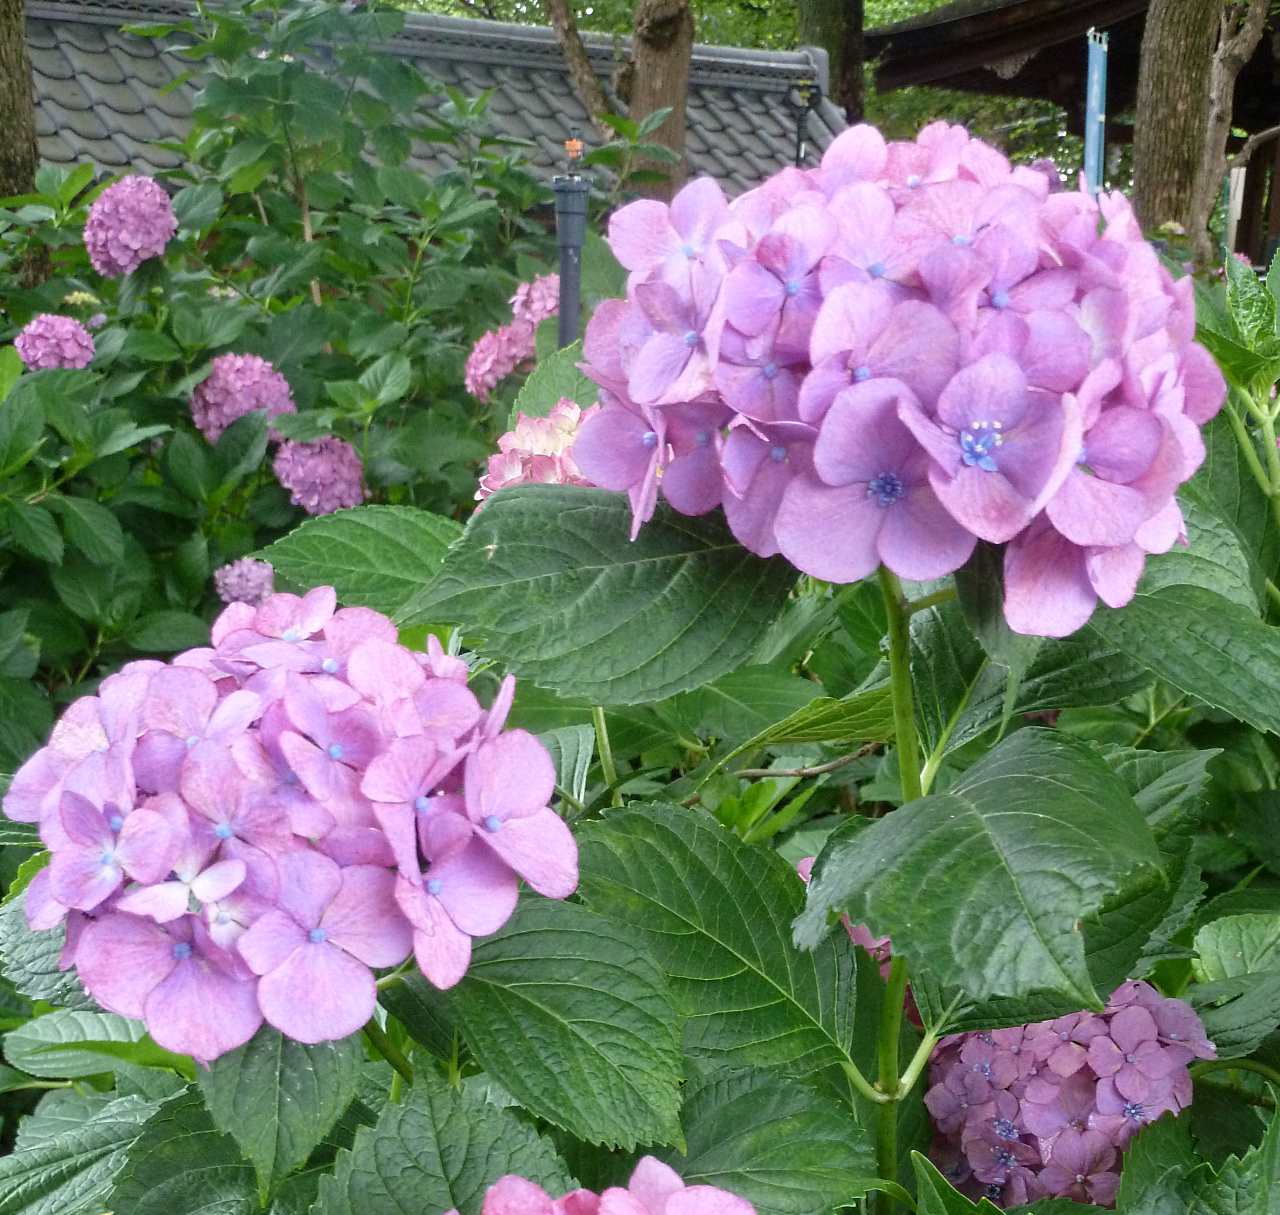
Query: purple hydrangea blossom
[[238, 384], [496, 355], [250, 832], [537, 300], [128, 223], [321, 477], [1048, 390], [244, 581], [48, 342], [1045, 1110]]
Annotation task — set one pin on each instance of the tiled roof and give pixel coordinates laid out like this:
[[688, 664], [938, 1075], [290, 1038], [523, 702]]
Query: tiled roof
[[99, 92]]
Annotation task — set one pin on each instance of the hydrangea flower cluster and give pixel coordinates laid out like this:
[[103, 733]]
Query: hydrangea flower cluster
[[238, 384], [538, 450], [654, 1189], [247, 833], [910, 348], [244, 581], [501, 351], [48, 342], [1046, 1110], [128, 223], [322, 476]]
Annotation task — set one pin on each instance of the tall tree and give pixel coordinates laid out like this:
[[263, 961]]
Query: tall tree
[[661, 52], [1192, 54], [18, 156], [837, 26], [564, 25]]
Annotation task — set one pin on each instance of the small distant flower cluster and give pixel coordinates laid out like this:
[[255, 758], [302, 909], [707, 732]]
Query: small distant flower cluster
[[238, 384], [244, 581], [538, 450], [501, 351], [86, 300], [911, 348], [128, 223], [321, 476], [48, 342], [654, 1189], [1046, 1110], [247, 833]]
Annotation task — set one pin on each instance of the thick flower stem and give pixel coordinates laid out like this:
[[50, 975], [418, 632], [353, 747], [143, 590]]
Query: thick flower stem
[[905, 737], [607, 768], [888, 1081], [1229, 1065], [380, 1042]]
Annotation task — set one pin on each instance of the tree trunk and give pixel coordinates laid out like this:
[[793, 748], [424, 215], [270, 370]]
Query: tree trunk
[[662, 51], [18, 156], [837, 27], [565, 27]]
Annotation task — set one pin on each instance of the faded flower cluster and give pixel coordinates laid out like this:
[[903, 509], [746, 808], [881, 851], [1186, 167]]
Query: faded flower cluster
[[249, 832], [1046, 1110], [654, 1189], [244, 581], [501, 351], [538, 450], [911, 348], [128, 223], [48, 342], [321, 476], [238, 384]]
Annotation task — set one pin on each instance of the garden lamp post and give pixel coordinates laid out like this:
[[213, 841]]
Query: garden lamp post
[[572, 190]]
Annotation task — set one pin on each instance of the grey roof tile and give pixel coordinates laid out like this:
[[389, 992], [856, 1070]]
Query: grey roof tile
[[99, 90]]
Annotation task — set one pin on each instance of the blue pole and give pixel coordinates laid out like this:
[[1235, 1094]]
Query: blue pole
[[1095, 120]]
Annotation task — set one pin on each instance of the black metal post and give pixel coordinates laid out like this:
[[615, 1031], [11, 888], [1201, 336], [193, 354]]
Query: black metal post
[[571, 191]]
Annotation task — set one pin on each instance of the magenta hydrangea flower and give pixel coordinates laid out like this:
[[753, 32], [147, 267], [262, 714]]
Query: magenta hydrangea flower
[[128, 223], [238, 384], [537, 450], [534, 301], [244, 581], [496, 355], [1030, 361], [321, 476], [48, 342], [254, 830], [1046, 1110]]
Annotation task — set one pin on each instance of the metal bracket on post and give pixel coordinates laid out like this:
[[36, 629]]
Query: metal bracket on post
[[572, 191], [1095, 120], [808, 96]]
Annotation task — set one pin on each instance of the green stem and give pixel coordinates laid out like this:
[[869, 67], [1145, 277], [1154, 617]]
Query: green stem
[[1273, 592], [1228, 1065], [863, 1086], [1247, 448], [1239, 1093], [919, 1061], [905, 738], [945, 595], [380, 1042], [887, 1081], [607, 768]]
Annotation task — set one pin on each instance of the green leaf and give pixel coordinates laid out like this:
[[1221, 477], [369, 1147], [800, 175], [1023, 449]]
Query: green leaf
[[1215, 558], [980, 589], [71, 1173], [571, 749], [121, 438], [182, 1165], [197, 207], [1247, 1185], [29, 960], [188, 463], [375, 556], [546, 575], [715, 913], [983, 888], [1204, 645], [150, 346], [1155, 1163], [167, 632], [85, 588], [35, 531], [404, 187], [935, 1195], [18, 657], [10, 370], [747, 701], [388, 379], [91, 528], [577, 1022], [785, 1147], [1237, 945], [278, 1098], [440, 1148], [1253, 308], [555, 377], [1239, 1014], [240, 449], [69, 1044], [424, 1011], [21, 429]]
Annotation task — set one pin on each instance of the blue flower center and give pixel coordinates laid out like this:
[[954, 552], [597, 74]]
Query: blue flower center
[[976, 445], [434, 885], [1004, 1157], [993, 1190], [335, 750], [649, 438], [688, 250], [961, 241], [492, 823], [329, 666], [191, 740], [876, 269], [181, 950], [770, 371], [223, 831], [115, 822], [861, 373], [1134, 1111], [691, 338], [792, 288], [317, 935], [913, 180], [1005, 1129], [1000, 299], [777, 453], [886, 488], [702, 438], [107, 859], [422, 803], [1130, 1058], [291, 635], [291, 778], [983, 1069]]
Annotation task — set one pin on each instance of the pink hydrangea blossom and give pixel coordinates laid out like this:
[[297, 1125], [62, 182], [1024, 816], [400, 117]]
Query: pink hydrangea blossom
[[1029, 362], [1046, 1110], [238, 384], [48, 342], [244, 581], [496, 355], [322, 476], [537, 450], [251, 832], [535, 301], [128, 223]]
